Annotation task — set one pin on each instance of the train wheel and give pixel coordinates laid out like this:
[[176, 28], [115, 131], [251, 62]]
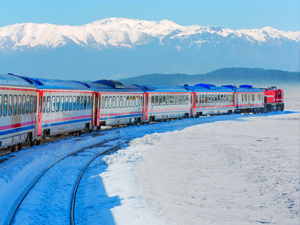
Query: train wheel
[[13, 148], [20, 146], [38, 142]]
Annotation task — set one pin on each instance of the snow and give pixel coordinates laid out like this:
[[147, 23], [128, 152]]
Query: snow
[[123, 32], [230, 169]]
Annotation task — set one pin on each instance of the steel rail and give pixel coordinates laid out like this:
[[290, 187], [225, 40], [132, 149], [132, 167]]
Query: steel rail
[[72, 208], [9, 219]]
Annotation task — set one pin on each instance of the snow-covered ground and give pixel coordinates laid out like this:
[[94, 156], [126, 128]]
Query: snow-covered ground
[[240, 171], [231, 169]]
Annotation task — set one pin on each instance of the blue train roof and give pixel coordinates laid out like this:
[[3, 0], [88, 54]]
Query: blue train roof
[[42, 83], [207, 88], [113, 86], [158, 88], [243, 88], [15, 80]]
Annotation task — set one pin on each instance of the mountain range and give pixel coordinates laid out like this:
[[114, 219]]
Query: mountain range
[[117, 48]]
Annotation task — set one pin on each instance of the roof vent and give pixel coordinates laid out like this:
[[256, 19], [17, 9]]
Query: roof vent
[[112, 83], [208, 86], [246, 86], [85, 84], [229, 86]]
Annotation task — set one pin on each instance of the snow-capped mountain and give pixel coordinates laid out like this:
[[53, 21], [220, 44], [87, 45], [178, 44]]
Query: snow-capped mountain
[[118, 48], [121, 32]]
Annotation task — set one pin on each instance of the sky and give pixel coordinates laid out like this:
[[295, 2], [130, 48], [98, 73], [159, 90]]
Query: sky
[[232, 14]]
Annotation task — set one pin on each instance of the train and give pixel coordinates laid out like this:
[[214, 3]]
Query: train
[[33, 109]]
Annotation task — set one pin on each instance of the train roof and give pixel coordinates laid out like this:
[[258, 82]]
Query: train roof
[[243, 88], [15, 80], [42, 83], [207, 88], [113, 86], [161, 88]]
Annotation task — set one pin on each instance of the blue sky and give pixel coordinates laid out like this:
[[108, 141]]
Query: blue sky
[[233, 14]]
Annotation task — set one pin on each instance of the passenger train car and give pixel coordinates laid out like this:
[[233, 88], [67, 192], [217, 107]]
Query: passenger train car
[[118, 104], [17, 111], [247, 99], [166, 102], [210, 100], [32, 109]]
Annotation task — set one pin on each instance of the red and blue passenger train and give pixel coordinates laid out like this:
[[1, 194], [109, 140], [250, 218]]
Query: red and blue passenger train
[[33, 109]]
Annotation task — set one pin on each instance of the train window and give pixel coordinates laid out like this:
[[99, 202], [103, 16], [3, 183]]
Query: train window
[[91, 102], [19, 104], [137, 98], [242, 98], [27, 104], [219, 98], [34, 104], [106, 102], [156, 100], [124, 101], [121, 102], [53, 104], [88, 102], [133, 101], [48, 103], [81, 102], [253, 97], [78, 102], [40, 104], [24, 104], [74, 102], [103, 102], [15, 105], [259, 97], [152, 100], [197, 97], [0, 105], [10, 105], [159, 100], [70, 103], [130, 101], [57, 103], [171, 100], [85, 102], [5, 106], [110, 102], [44, 103], [62, 103], [113, 102], [208, 99], [222, 99], [167, 100], [31, 104], [163, 100], [66, 103], [187, 100]]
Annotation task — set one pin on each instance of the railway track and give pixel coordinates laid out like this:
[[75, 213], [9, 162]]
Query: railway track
[[107, 150]]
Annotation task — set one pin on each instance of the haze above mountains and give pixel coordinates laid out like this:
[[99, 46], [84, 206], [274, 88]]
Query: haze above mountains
[[117, 48]]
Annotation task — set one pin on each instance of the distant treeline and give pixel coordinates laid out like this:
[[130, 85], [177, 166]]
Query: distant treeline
[[235, 76]]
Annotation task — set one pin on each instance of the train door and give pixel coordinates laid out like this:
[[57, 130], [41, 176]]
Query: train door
[[193, 105], [97, 109], [146, 99], [39, 113]]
